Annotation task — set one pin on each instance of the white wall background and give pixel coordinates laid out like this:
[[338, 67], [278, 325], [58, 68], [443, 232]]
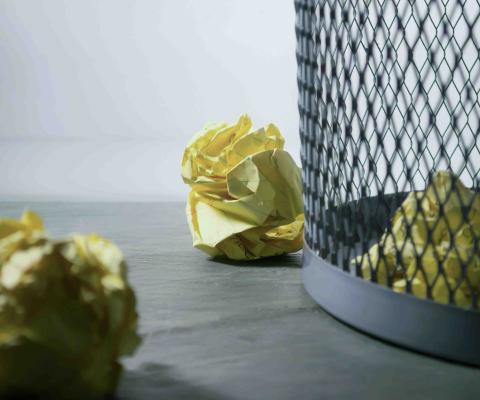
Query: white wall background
[[99, 97]]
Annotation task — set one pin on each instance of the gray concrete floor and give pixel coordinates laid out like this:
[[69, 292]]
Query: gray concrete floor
[[216, 330]]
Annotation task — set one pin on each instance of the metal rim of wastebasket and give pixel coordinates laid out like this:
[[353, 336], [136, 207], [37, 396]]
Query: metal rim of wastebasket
[[444, 331]]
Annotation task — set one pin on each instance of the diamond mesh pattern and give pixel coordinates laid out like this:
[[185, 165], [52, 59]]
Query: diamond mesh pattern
[[388, 95]]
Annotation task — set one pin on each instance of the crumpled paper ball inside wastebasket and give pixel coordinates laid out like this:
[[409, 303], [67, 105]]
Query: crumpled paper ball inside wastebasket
[[246, 192], [447, 264], [67, 313]]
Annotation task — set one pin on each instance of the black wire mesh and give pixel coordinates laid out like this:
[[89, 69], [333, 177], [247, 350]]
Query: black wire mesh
[[389, 115]]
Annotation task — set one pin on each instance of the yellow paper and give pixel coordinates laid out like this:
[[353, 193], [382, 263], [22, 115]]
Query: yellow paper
[[246, 192], [447, 265], [67, 313]]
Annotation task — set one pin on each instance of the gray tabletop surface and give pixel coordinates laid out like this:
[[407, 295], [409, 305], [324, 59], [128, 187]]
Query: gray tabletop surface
[[217, 330]]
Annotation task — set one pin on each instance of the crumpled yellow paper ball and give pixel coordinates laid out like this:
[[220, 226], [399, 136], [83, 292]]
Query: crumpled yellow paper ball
[[67, 313], [445, 267], [246, 192]]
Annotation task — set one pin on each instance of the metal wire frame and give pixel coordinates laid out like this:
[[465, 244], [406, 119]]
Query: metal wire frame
[[388, 94]]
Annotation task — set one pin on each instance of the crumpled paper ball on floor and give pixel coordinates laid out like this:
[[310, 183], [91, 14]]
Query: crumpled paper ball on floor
[[67, 313], [246, 192], [430, 244]]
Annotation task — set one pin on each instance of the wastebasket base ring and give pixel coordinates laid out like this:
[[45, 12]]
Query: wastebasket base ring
[[402, 319]]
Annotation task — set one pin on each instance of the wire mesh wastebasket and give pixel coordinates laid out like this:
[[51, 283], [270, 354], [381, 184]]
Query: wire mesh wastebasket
[[389, 122]]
